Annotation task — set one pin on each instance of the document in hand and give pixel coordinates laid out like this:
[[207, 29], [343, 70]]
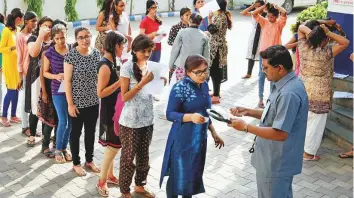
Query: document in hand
[[61, 87], [156, 86], [211, 6], [160, 36]]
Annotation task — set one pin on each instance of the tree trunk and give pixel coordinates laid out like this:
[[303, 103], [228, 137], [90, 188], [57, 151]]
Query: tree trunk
[[5, 7], [131, 7]]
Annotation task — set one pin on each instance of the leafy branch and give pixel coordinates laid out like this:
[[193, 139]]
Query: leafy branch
[[35, 6], [70, 10]]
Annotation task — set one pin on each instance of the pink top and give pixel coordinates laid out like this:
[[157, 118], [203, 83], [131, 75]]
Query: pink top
[[22, 52], [271, 32]]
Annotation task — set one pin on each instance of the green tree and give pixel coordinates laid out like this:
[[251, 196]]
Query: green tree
[[70, 10], [35, 6]]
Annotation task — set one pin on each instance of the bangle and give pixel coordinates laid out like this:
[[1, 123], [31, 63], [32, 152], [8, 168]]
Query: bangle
[[245, 129], [328, 33], [138, 87]]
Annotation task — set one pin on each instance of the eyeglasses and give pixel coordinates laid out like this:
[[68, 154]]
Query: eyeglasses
[[201, 73], [87, 37]]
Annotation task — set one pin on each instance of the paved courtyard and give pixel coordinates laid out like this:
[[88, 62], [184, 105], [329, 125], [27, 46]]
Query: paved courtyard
[[24, 172]]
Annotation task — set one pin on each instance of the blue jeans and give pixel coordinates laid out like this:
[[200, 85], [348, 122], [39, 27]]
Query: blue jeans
[[261, 80], [155, 56], [64, 125], [10, 97]]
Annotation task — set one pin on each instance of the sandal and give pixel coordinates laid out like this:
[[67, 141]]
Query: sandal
[[59, 157], [31, 143], [67, 156], [102, 189], [15, 120], [246, 76], [48, 153], [314, 158], [5, 123], [146, 193], [113, 180], [126, 196], [91, 166], [346, 155], [26, 132], [81, 172]]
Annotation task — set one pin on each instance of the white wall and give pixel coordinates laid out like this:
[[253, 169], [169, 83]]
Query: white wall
[[87, 9]]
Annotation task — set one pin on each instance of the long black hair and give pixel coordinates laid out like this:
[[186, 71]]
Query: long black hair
[[223, 8], [149, 4], [2, 19], [40, 23], [114, 12], [196, 19], [140, 43], [113, 38], [28, 16], [77, 31], [106, 8], [316, 37], [11, 18]]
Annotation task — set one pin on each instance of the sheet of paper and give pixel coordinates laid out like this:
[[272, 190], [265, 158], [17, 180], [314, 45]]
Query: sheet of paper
[[158, 69], [61, 87], [341, 94], [155, 87], [340, 76], [158, 38], [211, 6]]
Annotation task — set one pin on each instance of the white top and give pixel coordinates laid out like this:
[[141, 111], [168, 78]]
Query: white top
[[137, 112], [123, 27]]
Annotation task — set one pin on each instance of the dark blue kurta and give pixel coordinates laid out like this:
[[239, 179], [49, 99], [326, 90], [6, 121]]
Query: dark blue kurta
[[185, 152]]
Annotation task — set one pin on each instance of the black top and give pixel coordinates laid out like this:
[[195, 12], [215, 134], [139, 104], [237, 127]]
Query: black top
[[108, 103]]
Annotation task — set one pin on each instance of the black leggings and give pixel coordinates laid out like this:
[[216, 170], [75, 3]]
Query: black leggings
[[216, 75], [46, 130], [250, 66], [87, 118]]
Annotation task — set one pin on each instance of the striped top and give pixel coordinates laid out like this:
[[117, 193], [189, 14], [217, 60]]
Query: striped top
[[56, 67]]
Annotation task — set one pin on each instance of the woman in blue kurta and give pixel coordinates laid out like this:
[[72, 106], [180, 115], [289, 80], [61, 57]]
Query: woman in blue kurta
[[185, 152]]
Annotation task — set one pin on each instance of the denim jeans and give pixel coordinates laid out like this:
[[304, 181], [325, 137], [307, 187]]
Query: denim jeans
[[261, 80], [155, 56], [24, 115], [64, 124]]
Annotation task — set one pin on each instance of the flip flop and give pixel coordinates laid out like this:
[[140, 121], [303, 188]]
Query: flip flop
[[344, 156], [31, 143], [49, 154], [82, 172], [24, 132], [91, 166], [113, 180], [67, 156], [146, 193], [315, 158], [5, 124], [103, 192]]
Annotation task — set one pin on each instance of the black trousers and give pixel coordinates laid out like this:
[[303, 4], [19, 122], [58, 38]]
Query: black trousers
[[87, 118], [46, 130], [250, 66], [216, 75]]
